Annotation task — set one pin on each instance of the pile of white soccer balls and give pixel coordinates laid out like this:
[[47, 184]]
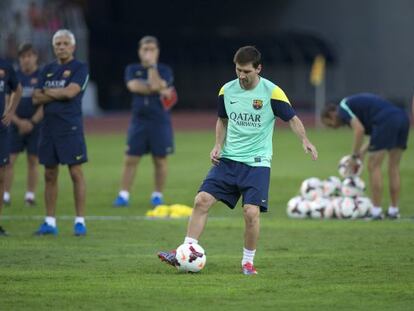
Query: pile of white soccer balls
[[332, 198]]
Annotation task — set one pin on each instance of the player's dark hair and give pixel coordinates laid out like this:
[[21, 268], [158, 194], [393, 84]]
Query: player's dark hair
[[326, 111], [246, 55], [25, 47], [148, 39]]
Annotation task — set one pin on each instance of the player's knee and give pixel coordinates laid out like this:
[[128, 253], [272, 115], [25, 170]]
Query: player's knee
[[131, 161], [51, 175], [76, 174], [251, 213], [202, 202], [374, 164]]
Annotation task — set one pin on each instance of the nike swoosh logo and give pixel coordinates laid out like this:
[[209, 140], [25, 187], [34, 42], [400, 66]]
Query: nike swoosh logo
[[49, 75], [232, 103]]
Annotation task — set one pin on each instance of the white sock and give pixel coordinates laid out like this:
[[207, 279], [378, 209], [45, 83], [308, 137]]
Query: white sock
[[248, 256], [376, 210], [29, 195], [190, 240], [124, 194], [51, 221], [393, 210], [80, 220], [6, 196]]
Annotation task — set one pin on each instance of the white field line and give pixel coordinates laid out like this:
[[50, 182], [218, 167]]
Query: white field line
[[140, 218]]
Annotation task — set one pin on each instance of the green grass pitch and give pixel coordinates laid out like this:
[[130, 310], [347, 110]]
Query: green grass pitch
[[303, 264]]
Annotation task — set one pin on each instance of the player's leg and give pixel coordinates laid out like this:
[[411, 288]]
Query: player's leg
[[8, 179], [197, 222], [160, 177], [136, 147], [51, 190], [161, 144], [251, 236], [375, 160], [32, 147], [79, 188], [128, 175], [32, 177], [394, 159], [79, 192], [4, 161], [220, 184], [2, 177]]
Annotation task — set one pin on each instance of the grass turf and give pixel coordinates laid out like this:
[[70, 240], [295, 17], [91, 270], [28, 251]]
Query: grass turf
[[303, 264]]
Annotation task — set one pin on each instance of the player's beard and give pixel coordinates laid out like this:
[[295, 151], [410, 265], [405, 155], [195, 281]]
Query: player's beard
[[245, 83]]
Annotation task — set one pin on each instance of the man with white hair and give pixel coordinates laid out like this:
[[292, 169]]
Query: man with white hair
[[60, 90]]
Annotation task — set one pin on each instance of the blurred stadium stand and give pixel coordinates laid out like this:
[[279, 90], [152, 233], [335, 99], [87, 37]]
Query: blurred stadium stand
[[367, 44]]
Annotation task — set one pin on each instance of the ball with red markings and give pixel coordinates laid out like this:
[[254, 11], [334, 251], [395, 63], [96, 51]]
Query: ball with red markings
[[190, 257]]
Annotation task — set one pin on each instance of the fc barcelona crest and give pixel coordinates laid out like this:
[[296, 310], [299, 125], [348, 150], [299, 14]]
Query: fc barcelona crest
[[257, 104], [66, 73], [33, 81]]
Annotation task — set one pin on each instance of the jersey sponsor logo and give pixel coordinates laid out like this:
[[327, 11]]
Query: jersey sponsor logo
[[246, 119], [27, 91], [66, 73], [257, 104], [33, 81], [2, 73], [55, 84]]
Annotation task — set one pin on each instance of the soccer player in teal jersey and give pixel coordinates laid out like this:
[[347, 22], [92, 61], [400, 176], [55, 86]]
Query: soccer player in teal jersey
[[242, 154]]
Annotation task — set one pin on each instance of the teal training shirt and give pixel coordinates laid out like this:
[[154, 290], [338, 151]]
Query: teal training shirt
[[251, 118]]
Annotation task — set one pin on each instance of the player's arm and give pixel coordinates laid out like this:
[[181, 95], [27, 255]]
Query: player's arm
[[283, 109], [297, 127], [64, 93], [38, 116], [11, 105], [139, 87], [155, 82], [221, 129], [40, 98], [359, 132]]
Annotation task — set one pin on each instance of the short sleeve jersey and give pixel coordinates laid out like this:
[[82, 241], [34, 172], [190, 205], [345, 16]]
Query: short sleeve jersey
[[26, 109], [63, 117], [370, 109], [148, 107], [8, 83], [251, 117]]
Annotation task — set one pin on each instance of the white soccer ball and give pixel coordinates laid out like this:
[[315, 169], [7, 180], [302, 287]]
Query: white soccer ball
[[297, 207], [190, 257], [353, 187], [364, 206], [311, 188], [348, 209], [321, 208], [345, 170], [336, 205], [331, 186]]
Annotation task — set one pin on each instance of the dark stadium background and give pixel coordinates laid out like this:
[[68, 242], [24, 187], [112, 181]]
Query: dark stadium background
[[367, 44]]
